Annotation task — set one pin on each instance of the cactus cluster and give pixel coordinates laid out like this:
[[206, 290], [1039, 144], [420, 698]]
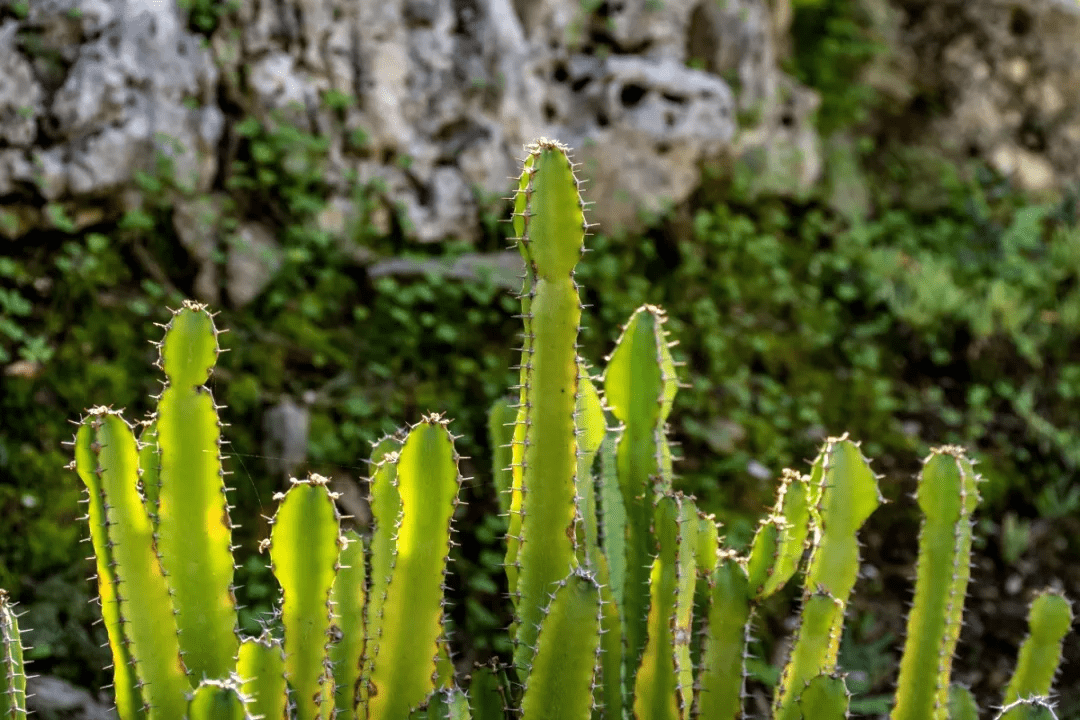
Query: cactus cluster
[[625, 602]]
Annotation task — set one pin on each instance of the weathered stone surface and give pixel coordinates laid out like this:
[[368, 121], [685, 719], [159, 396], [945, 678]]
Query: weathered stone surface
[[445, 93], [254, 256], [53, 697], [1002, 75]]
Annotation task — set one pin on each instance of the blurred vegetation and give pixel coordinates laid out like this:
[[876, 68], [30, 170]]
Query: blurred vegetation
[[915, 326]]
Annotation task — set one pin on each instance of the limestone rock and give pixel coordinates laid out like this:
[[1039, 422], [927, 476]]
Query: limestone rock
[[254, 256], [1005, 75], [445, 94]]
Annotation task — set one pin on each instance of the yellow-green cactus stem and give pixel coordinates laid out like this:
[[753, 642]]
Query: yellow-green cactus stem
[[553, 226], [612, 516], [1033, 708], [385, 505], [962, 704], [305, 542], [560, 685], [347, 632], [843, 493], [640, 385], [218, 700], [193, 525], [1049, 620], [793, 510], [405, 659], [260, 665], [12, 667], [948, 495], [502, 419], [723, 657], [128, 698], [591, 428], [824, 698], [141, 618], [661, 688]]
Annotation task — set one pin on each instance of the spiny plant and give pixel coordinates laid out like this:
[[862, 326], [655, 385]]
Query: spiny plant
[[626, 604]]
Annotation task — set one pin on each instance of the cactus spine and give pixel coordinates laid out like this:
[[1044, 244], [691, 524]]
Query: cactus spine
[[948, 495]]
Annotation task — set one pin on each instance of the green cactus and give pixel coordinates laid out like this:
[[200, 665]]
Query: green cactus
[[12, 665], [304, 545], [194, 532], [218, 700], [947, 494], [843, 494], [348, 598], [133, 581], [1033, 708], [260, 663], [560, 685], [1049, 619], [550, 219], [612, 576], [411, 627], [640, 386]]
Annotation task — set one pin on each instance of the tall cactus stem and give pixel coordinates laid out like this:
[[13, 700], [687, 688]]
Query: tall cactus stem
[[411, 632], [348, 597], [948, 495], [552, 226], [194, 532], [560, 686], [304, 544], [639, 386], [107, 461], [843, 493], [12, 665], [1049, 620]]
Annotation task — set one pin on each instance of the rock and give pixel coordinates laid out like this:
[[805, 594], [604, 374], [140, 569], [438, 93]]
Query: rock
[[253, 258], [504, 269], [52, 698], [446, 95], [196, 223], [1005, 74], [285, 437]]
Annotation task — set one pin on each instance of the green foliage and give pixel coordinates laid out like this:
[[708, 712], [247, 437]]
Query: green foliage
[[833, 43]]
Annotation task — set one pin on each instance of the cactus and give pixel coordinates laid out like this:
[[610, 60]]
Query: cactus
[[625, 602], [304, 545], [12, 665], [193, 527], [947, 495], [551, 228], [1049, 619], [843, 494]]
